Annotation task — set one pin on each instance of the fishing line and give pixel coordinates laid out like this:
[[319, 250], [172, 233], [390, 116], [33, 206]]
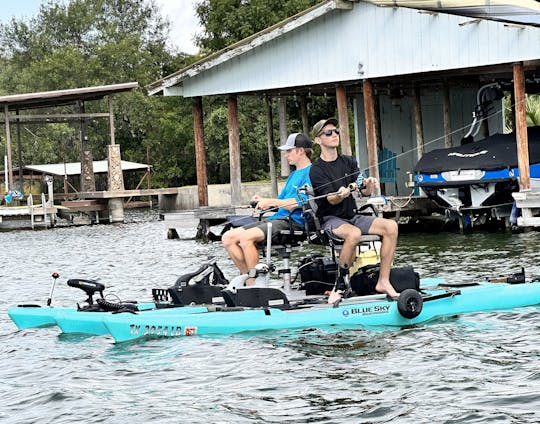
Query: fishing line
[[362, 171]]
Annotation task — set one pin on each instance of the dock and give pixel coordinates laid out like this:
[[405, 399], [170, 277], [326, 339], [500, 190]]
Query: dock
[[31, 217], [203, 219]]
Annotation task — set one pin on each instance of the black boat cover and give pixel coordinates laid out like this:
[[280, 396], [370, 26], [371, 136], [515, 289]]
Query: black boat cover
[[498, 151]]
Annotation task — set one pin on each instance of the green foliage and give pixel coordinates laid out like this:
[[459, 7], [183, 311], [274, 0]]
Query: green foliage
[[532, 110], [228, 21], [82, 43]]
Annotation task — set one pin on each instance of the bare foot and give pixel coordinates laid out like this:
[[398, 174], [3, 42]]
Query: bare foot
[[386, 287], [249, 281], [334, 296]]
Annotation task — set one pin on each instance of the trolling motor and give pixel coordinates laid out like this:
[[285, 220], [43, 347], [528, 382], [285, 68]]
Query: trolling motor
[[90, 287]]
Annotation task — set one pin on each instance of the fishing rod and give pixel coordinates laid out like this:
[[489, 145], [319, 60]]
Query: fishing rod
[[355, 186]]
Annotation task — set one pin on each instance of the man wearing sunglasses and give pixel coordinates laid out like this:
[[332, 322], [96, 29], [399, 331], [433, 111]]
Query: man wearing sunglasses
[[331, 175], [241, 243]]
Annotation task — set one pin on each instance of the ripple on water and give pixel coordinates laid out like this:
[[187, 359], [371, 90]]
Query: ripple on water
[[470, 369]]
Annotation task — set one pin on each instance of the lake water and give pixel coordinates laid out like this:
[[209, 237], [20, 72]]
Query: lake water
[[481, 368]]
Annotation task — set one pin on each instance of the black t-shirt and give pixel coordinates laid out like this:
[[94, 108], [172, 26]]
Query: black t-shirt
[[328, 177]]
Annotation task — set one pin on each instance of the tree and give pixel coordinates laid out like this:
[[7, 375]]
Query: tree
[[98, 42], [228, 21], [225, 22]]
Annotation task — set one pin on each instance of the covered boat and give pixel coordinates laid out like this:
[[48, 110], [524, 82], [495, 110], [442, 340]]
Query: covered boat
[[474, 182]]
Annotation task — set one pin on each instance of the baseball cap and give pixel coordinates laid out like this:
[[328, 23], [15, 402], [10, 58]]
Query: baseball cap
[[296, 140], [323, 123]]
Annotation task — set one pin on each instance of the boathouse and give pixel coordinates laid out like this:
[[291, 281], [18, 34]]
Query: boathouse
[[409, 70]]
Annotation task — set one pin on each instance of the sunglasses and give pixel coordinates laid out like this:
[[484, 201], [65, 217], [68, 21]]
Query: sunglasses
[[328, 133]]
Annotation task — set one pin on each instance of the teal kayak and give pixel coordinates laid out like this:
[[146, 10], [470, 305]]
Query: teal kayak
[[365, 311], [35, 316], [190, 290], [71, 320]]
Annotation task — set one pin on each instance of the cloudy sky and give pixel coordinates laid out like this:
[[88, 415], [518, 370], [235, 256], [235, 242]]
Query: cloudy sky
[[181, 14]]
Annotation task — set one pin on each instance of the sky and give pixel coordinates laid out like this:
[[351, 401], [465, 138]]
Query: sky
[[181, 14]]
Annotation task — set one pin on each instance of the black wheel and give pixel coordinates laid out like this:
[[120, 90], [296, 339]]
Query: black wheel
[[410, 303]]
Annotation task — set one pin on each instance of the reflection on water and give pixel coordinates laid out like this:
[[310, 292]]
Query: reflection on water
[[476, 368]]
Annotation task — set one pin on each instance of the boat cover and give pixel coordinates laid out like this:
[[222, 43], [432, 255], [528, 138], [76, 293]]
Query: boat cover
[[498, 151]]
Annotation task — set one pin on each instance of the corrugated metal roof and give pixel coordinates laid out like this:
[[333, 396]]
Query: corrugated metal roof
[[60, 97], [74, 168], [525, 12], [195, 80]]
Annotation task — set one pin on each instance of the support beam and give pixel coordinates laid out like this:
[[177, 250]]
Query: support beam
[[200, 153], [369, 112], [111, 119], [343, 116], [282, 117], [418, 122], [234, 150], [446, 115], [9, 185], [521, 128], [270, 144], [19, 156], [304, 113], [88, 181]]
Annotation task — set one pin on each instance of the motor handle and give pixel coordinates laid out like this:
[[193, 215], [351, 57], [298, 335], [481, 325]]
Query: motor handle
[[90, 287]]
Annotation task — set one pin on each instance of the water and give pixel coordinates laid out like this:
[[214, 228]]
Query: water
[[470, 369]]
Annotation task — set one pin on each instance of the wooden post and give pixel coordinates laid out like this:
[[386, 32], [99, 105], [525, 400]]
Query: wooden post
[[343, 116], [9, 182], [200, 154], [521, 128], [369, 112], [111, 119], [303, 111], [446, 115], [282, 117], [270, 144], [418, 122], [234, 150], [19, 157]]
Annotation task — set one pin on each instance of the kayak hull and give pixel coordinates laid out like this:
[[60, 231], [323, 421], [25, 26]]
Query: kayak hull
[[367, 311], [92, 322]]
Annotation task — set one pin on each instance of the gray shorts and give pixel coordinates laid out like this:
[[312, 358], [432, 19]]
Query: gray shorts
[[277, 226], [363, 222]]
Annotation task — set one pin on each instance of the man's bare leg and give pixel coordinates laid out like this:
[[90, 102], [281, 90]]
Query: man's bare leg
[[388, 230]]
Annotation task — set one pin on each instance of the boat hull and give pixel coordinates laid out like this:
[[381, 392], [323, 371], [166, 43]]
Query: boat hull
[[369, 311], [90, 322]]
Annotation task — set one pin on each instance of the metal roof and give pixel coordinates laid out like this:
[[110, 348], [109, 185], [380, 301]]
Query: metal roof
[[525, 12], [74, 168], [62, 97], [365, 40]]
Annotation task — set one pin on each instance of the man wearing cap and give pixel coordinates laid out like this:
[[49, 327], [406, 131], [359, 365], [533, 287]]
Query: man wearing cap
[[331, 175], [240, 243]]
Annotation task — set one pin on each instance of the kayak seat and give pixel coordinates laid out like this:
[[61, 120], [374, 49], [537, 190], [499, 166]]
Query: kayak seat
[[202, 286], [316, 235]]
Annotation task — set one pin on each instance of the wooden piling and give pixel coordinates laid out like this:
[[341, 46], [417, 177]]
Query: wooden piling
[[343, 116], [234, 150], [521, 128], [200, 154], [369, 111]]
